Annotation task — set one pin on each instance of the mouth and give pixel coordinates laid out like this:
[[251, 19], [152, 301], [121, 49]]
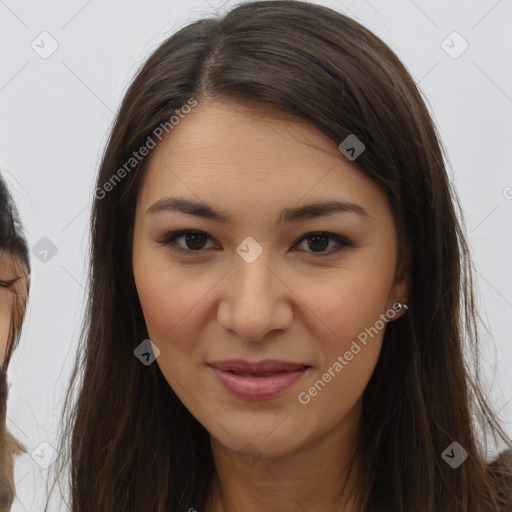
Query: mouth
[[258, 384], [262, 368], [267, 374]]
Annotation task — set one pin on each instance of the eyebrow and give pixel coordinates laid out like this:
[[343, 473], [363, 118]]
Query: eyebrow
[[307, 211]]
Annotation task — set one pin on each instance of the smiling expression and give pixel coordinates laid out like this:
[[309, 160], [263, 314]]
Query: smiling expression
[[323, 245]]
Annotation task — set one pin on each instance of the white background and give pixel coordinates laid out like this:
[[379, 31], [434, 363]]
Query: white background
[[56, 113]]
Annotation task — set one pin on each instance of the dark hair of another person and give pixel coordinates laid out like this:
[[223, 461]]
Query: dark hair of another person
[[133, 445]]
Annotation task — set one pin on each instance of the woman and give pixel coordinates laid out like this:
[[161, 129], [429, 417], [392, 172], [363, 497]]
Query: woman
[[279, 285], [14, 284]]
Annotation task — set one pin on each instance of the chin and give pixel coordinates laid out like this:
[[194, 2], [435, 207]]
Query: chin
[[256, 441]]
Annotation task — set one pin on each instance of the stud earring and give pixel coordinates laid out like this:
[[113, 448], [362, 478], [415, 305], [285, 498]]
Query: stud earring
[[400, 306]]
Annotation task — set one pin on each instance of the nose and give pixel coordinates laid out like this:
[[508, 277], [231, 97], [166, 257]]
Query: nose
[[255, 300]]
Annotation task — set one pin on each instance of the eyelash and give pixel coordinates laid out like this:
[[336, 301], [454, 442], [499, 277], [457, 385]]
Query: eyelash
[[170, 240]]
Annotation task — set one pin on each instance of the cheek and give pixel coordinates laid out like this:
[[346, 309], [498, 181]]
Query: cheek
[[164, 300], [169, 297], [5, 320], [167, 300], [348, 339], [347, 359], [347, 305]]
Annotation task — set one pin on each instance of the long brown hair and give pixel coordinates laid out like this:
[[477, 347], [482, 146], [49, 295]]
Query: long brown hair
[[132, 444]]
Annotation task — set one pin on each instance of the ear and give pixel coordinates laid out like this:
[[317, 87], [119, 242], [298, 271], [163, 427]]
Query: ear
[[400, 288]]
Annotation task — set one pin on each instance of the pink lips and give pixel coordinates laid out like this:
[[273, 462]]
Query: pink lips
[[257, 386]]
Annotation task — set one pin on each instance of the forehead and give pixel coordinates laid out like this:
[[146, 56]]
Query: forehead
[[232, 153], [232, 135]]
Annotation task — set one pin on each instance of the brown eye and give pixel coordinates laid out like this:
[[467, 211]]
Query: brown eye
[[194, 241], [319, 242]]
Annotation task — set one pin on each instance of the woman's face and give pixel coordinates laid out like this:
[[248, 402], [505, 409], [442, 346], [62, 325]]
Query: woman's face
[[253, 287], [12, 282]]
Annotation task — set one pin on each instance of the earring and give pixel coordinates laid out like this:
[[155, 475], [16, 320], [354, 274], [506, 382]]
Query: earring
[[400, 306]]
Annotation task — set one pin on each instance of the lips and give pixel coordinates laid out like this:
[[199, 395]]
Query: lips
[[261, 369], [257, 381]]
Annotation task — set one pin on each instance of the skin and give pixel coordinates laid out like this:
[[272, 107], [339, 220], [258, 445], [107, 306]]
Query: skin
[[290, 304]]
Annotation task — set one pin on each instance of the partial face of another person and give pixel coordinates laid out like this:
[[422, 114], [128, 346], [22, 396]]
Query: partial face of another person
[[260, 278], [13, 281]]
